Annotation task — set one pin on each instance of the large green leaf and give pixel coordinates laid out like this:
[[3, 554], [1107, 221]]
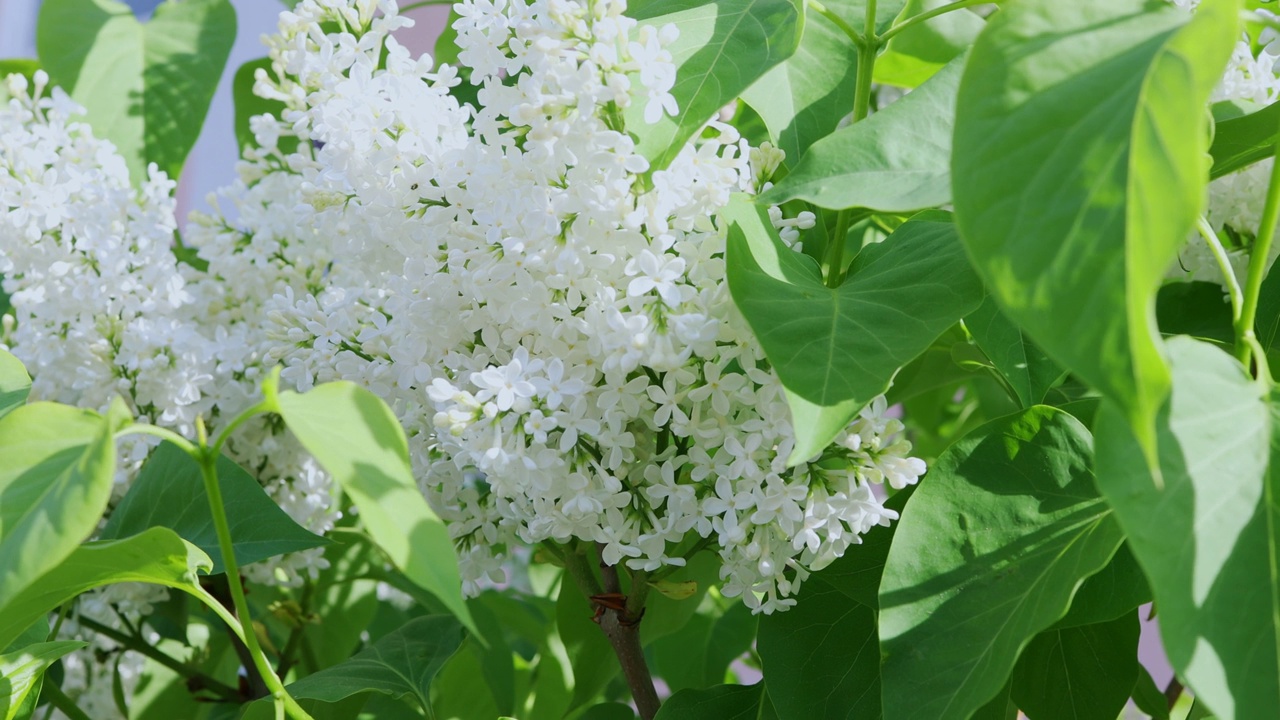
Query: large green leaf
[[987, 554], [157, 556], [1206, 539], [22, 671], [915, 54], [357, 439], [1079, 673], [1078, 169], [55, 482], [822, 658], [803, 99], [1108, 594], [402, 663], [894, 161], [836, 349], [147, 87], [169, 492], [1027, 370], [15, 383], [724, 47], [722, 702], [1242, 141]]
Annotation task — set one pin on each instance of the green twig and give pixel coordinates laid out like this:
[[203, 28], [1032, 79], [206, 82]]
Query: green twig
[[264, 406], [59, 699], [162, 433], [138, 645], [209, 471], [839, 22], [927, 16], [1224, 264], [1258, 266]]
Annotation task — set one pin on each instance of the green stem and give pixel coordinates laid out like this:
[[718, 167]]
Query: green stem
[[265, 406], [1258, 266], [833, 258], [59, 699], [839, 22], [162, 433], [1224, 264], [141, 647], [927, 16], [866, 67], [209, 471]]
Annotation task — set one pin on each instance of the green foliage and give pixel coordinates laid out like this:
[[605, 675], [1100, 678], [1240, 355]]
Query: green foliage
[[146, 87], [835, 349], [914, 55], [1241, 141], [157, 556], [724, 47], [22, 672], [802, 99], [357, 439], [1079, 673], [724, 702], [1028, 371], [988, 553], [56, 478], [894, 161], [400, 664], [1206, 537], [15, 384], [169, 492], [1074, 190]]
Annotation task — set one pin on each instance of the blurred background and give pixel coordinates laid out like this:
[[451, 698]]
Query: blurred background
[[212, 162]]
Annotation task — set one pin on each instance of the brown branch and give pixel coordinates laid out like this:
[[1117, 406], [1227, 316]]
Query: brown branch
[[1173, 691], [622, 628]]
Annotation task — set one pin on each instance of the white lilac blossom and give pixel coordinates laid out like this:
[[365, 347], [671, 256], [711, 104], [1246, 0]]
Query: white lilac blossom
[[548, 319], [554, 334]]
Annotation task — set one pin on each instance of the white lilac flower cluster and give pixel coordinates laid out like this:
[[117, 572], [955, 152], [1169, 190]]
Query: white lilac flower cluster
[[547, 317], [1235, 201], [549, 322]]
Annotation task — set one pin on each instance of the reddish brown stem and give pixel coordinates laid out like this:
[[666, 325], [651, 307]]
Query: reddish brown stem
[[621, 626]]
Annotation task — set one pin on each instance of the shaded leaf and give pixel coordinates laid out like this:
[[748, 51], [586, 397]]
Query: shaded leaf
[[1024, 366], [400, 664], [988, 553], [1078, 170], [357, 439], [723, 702], [822, 657], [1239, 142], [894, 161], [1108, 594], [724, 46], [837, 349], [1206, 539], [169, 492], [1080, 673]]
